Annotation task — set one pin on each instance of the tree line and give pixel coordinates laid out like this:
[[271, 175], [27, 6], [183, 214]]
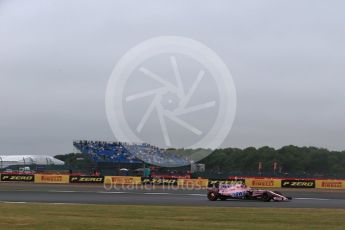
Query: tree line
[[289, 160]]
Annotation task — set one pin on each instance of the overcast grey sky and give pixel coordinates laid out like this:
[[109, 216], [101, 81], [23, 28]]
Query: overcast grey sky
[[287, 59]]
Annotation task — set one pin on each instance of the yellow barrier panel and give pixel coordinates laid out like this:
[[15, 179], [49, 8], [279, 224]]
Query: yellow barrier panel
[[51, 179], [192, 182], [330, 184], [122, 180], [263, 183]]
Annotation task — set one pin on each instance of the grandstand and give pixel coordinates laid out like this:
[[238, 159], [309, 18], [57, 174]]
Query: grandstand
[[103, 152], [121, 152]]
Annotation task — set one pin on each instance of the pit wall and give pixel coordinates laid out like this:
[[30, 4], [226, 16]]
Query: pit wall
[[125, 180]]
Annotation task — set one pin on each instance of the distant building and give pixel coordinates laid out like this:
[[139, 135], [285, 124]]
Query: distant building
[[8, 160], [196, 168]]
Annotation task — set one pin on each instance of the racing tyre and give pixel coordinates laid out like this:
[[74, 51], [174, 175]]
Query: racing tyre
[[266, 197], [247, 197], [223, 198], [212, 196]]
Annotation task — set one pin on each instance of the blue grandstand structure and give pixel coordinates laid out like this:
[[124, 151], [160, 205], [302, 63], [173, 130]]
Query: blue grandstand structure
[[126, 153], [106, 152]]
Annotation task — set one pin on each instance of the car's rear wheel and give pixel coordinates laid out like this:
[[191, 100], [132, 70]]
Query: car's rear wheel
[[212, 196]]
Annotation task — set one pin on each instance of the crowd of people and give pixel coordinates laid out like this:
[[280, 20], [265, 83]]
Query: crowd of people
[[121, 152], [101, 151], [154, 155]]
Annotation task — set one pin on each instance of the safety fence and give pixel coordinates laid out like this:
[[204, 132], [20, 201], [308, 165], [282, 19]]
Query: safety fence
[[134, 180]]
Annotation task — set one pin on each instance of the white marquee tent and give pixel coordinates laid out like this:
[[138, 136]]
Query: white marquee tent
[[8, 160]]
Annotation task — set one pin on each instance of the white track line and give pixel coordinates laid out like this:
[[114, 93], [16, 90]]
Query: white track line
[[14, 202], [307, 198], [157, 193], [113, 192], [63, 191]]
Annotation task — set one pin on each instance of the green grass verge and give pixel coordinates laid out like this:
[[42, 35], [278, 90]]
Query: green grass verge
[[46, 216]]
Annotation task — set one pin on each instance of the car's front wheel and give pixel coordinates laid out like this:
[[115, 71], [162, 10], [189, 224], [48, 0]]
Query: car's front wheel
[[223, 198], [212, 196], [266, 197]]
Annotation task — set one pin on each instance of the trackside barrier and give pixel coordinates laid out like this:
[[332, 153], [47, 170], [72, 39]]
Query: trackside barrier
[[297, 183], [17, 177], [51, 179], [134, 180], [159, 181], [330, 184], [263, 183], [86, 179], [217, 182], [122, 180], [192, 182]]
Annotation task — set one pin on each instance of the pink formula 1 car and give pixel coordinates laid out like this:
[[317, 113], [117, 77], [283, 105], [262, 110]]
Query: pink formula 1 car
[[241, 191]]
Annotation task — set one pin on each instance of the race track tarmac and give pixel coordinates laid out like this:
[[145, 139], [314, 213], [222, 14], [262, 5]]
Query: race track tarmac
[[97, 194]]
